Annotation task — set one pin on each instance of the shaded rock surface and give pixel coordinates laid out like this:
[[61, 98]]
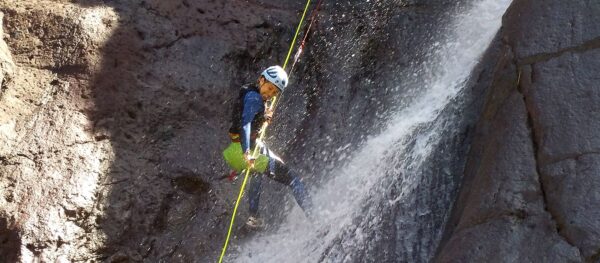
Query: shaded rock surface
[[530, 188], [111, 121]]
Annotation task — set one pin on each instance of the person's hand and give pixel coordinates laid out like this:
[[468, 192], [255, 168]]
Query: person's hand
[[268, 115], [249, 159]]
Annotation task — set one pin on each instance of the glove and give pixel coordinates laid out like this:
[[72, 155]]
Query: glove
[[249, 159]]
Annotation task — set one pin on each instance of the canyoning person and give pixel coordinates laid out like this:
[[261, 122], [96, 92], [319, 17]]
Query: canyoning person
[[249, 113]]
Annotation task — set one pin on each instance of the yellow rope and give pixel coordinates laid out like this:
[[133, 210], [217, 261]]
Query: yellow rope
[[296, 35], [262, 135]]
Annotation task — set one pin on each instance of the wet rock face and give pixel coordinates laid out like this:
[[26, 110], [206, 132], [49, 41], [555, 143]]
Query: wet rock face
[[531, 185], [351, 77], [406, 231]]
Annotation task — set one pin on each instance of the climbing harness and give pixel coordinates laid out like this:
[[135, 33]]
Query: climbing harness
[[265, 124]]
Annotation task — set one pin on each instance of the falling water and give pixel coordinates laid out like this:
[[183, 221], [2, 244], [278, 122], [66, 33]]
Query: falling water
[[347, 203]]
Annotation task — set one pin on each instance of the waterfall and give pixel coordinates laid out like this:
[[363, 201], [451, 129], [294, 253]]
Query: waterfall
[[346, 204]]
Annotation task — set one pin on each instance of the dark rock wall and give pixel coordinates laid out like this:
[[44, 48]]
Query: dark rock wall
[[379, 48], [406, 225], [352, 77], [530, 188]]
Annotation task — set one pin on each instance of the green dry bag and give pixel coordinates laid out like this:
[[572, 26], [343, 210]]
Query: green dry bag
[[235, 159]]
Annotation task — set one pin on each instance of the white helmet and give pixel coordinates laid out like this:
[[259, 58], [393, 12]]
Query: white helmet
[[277, 76]]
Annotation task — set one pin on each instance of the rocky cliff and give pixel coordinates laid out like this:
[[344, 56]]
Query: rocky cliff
[[113, 115], [530, 188]]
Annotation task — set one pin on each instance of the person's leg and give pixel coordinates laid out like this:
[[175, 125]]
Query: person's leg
[[254, 193], [279, 172], [301, 194]]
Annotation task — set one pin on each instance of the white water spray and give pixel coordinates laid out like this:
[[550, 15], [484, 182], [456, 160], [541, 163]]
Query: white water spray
[[342, 199]]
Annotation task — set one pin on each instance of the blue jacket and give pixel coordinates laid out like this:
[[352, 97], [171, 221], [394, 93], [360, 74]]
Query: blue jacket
[[253, 108], [247, 116]]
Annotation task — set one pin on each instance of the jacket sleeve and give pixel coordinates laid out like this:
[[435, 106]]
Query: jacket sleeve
[[252, 105]]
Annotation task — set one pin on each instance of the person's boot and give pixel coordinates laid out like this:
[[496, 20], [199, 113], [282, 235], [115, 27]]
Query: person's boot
[[255, 222]]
